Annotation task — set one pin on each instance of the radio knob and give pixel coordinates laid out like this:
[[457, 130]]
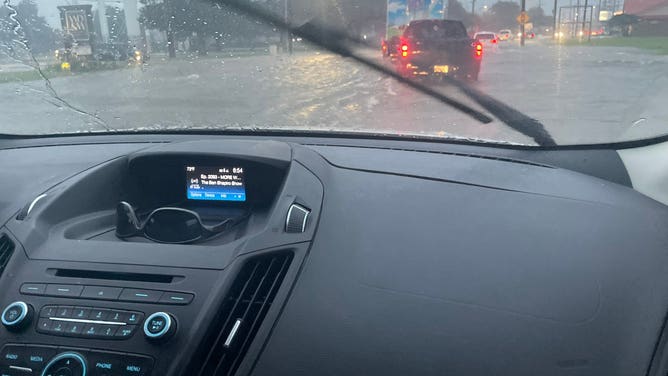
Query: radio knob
[[66, 364], [159, 326], [16, 315]]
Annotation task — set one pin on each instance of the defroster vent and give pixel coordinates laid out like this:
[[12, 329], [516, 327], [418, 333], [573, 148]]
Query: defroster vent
[[244, 308], [6, 250]]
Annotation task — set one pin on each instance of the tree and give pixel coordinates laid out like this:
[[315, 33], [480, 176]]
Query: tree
[[456, 11], [538, 18], [199, 21], [502, 15], [40, 37]]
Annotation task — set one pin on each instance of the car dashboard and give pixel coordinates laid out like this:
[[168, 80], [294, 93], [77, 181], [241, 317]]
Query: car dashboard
[[356, 257]]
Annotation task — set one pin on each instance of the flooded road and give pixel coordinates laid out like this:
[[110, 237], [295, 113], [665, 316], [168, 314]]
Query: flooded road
[[581, 95]]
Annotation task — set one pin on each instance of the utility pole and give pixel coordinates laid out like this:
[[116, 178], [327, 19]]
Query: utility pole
[[286, 19], [524, 9], [171, 41], [102, 16], [473, 7], [554, 21], [584, 19]]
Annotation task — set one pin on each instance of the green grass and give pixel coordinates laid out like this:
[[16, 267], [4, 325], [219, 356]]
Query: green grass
[[658, 45], [53, 71], [31, 75]]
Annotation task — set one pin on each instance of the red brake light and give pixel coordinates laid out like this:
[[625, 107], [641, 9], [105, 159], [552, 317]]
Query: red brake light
[[494, 41], [404, 50], [478, 50]]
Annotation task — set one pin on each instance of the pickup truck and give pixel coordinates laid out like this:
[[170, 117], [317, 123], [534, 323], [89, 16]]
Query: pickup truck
[[436, 48]]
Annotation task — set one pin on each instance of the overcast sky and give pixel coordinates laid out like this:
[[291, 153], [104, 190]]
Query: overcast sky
[[48, 8]]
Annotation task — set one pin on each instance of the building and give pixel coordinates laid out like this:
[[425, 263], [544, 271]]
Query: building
[[653, 16]]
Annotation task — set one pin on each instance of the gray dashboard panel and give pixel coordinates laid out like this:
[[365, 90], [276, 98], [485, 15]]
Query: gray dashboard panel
[[28, 172], [416, 275]]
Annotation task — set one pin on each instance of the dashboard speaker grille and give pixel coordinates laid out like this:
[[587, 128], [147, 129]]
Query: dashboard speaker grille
[[6, 250], [244, 308]]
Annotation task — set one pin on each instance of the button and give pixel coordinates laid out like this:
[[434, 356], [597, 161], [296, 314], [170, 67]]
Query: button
[[58, 327], [106, 331], [156, 324], [74, 328], [13, 355], [98, 314], [69, 291], [48, 311], [64, 312], [38, 356], [33, 288], [117, 316], [80, 313], [90, 330], [135, 295], [101, 292], [43, 325], [105, 363], [134, 318], [176, 298], [125, 331], [135, 365]]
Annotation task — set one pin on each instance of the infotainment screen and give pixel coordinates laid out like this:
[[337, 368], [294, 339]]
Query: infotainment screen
[[215, 183]]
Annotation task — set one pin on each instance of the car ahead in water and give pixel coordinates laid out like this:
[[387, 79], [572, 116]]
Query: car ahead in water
[[438, 48], [486, 38], [527, 35], [505, 34]]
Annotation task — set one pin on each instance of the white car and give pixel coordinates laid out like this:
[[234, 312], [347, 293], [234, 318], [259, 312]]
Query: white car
[[486, 38], [505, 34]]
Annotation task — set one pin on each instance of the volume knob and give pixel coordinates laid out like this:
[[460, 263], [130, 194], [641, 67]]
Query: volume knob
[[16, 315]]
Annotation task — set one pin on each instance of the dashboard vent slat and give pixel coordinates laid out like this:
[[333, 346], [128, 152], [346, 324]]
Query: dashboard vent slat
[[244, 308], [6, 251]]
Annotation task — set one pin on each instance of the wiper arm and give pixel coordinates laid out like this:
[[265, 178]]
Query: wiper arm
[[335, 41]]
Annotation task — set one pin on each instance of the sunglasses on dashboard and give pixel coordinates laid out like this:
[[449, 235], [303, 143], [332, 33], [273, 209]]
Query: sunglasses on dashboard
[[168, 225]]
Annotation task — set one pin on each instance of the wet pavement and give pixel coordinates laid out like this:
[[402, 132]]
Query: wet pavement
[[582, 95]]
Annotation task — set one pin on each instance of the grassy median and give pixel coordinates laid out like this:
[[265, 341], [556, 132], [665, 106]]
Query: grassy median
[[31, 75], [658, 45], [53, 71]]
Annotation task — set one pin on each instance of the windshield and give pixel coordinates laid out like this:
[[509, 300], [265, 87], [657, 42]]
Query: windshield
[[565, 72], [436, 30], [485, 36]]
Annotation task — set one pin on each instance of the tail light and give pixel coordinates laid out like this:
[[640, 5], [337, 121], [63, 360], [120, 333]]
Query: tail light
[[494, 41], [478, 49], [404, 50]]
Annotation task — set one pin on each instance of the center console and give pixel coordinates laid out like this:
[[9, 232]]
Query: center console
[[77, 300]]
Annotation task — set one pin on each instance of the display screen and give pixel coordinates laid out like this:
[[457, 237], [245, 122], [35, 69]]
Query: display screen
[[215, 183]]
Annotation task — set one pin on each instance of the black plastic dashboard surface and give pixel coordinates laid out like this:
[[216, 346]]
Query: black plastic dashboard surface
[[416, 263], [429, 265]]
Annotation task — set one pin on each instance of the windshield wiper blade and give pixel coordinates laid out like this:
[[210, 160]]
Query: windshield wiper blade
[[335, 41]]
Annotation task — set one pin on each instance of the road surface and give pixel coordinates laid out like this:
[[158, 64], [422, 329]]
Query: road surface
[[580, 94]]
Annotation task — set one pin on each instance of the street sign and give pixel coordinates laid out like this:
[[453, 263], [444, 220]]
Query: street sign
[[523, 18]]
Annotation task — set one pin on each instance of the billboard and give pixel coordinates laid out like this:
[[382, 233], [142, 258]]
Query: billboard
[[401, 12], [77, 21]]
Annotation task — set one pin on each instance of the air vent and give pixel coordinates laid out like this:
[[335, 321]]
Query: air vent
[[245, 307], [6, 250]]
